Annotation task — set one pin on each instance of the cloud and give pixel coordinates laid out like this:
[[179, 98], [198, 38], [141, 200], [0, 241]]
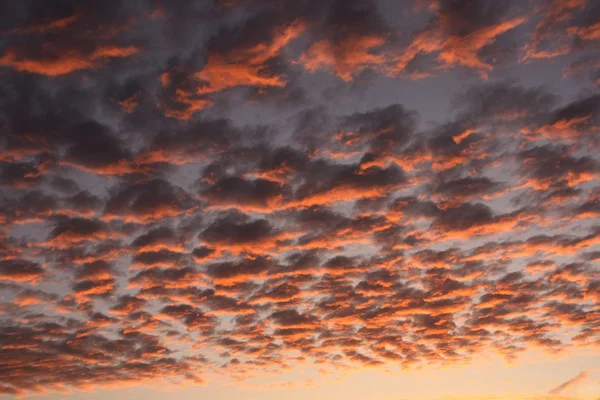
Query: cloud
[[74, 41], [347, 182], [256, 195], [64, 64], [239, 234], [221, 191], [73, 231], [349, 41], [150, 200], [459, 31], [560, 22], [20, 271], [94, 148], [581, 377]]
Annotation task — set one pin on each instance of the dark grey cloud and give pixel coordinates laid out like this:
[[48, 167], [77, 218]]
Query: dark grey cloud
[[224, 188]]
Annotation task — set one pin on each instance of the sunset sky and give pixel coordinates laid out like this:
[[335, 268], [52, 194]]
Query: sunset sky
[[300, 199]]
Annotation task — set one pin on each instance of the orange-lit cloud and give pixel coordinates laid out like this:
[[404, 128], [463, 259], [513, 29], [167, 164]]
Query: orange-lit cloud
[[346, 59], [65, 63], [232, 192]]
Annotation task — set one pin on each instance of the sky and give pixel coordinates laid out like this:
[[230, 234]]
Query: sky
[[257, 199]]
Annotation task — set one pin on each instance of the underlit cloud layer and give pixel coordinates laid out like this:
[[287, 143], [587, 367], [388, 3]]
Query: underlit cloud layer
[[153, 230]]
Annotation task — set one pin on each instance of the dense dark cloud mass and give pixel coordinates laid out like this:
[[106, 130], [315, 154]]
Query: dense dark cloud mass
[[199, 190]]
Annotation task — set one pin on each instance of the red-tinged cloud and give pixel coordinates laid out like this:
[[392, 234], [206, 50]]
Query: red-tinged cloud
[[223, 193], [127, 305], [45, 26], [17, 270], [549, 167], [239, 235], [549, 39], [235, 66], [242, 67], [70, 232], [457, 35], [463, 50], [190, 144], [579, 118], [341, 183], [58, 63], [171, 278], [146, 201], [352, 39], [473, 219], [191, 317], [160, 238], [94, 279], [584, 65], [345, 59], [61, 41], [247, 195], [95, 149], [467, 189], [162, 258]]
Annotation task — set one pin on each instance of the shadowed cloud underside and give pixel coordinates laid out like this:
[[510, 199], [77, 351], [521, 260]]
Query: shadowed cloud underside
[[207, 191]]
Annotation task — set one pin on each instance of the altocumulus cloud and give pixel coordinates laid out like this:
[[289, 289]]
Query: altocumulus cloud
[[152, 232]]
